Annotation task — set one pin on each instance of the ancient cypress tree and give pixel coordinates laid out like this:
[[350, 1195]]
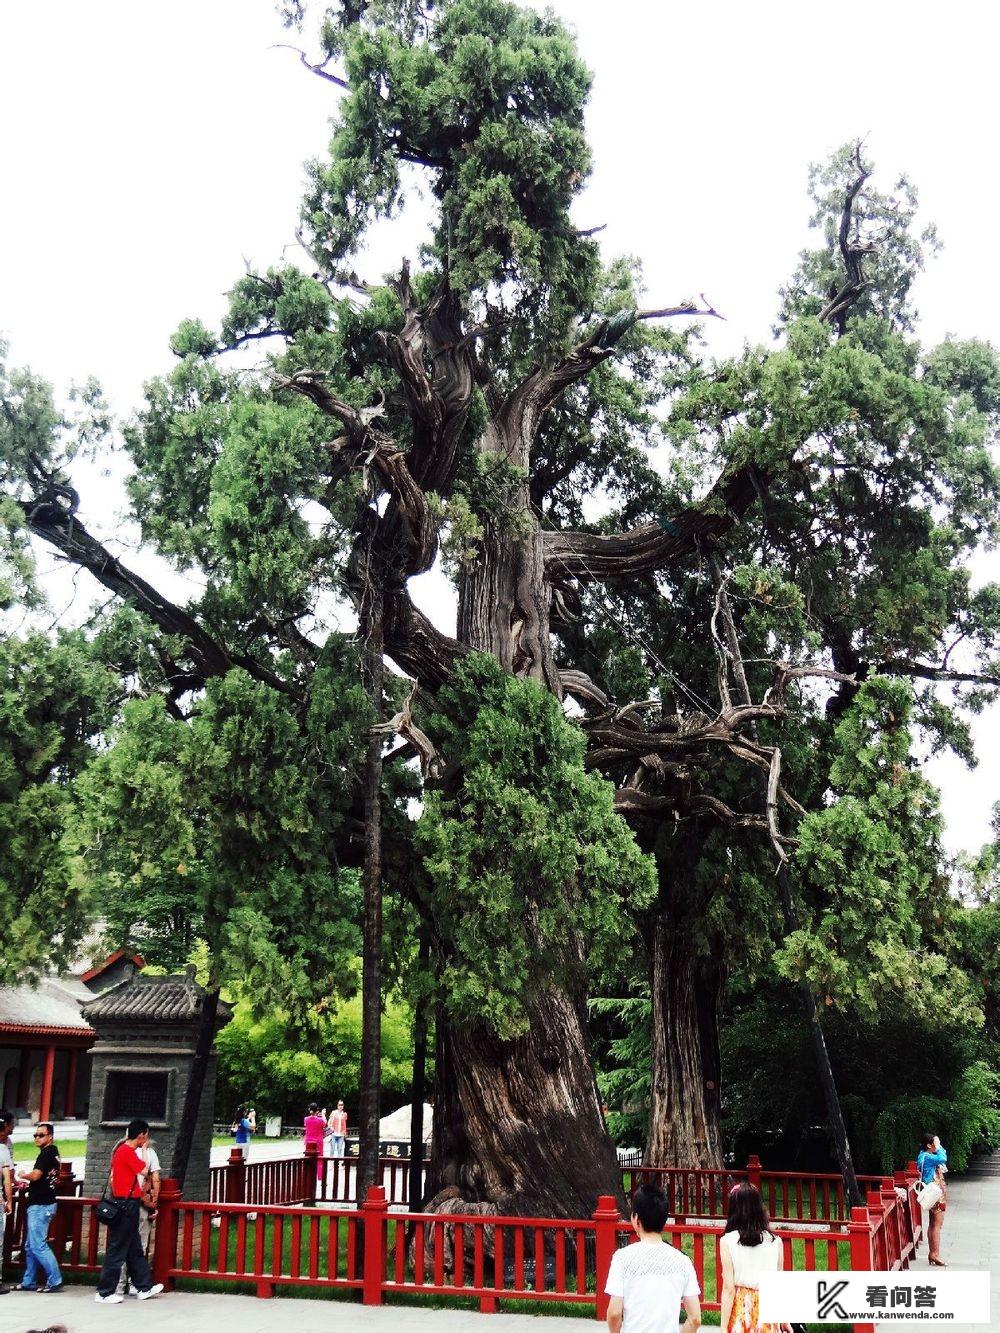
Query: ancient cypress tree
[[857, 557]]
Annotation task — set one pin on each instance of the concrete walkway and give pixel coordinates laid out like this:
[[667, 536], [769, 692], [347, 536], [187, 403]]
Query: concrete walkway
[[210, 1313], [970, 1238]]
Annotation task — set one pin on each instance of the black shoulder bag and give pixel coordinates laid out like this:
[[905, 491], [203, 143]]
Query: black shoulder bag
[[109, 1211]]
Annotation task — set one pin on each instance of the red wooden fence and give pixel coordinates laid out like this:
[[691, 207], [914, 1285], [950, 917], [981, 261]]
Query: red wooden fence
[[488, 1259], [302, 1179], [790, 1196]]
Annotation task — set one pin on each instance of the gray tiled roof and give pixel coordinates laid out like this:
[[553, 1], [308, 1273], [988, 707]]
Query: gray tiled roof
[[54, 1003], [146, 999]]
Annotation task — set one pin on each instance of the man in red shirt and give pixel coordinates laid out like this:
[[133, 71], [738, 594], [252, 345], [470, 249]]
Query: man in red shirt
[[124, 1245]]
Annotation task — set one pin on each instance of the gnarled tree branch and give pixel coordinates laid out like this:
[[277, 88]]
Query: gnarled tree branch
[[208, 656], [318, 68], [524, 407]]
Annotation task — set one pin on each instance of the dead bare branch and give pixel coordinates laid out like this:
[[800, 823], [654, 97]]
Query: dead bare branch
[[319, 68]]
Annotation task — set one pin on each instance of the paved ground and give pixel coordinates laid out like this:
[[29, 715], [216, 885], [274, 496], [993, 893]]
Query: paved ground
[[208, 1313], [970, 1238]]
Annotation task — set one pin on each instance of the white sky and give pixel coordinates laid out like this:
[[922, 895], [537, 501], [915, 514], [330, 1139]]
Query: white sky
[[150, 149]]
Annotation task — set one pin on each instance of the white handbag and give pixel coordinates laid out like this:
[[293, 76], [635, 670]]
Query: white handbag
[[929, 1195]]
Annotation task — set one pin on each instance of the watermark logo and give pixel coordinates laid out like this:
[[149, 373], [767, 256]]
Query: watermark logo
[[827, 1305], [866, 1298]]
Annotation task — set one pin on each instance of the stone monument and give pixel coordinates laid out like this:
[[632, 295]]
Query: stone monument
[[146, 1030]]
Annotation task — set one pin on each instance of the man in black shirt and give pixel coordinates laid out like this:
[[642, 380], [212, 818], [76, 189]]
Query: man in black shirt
[[38, 1256]]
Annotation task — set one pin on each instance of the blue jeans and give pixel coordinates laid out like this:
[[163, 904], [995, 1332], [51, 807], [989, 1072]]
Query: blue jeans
[[37, 1251], [336, 1145]]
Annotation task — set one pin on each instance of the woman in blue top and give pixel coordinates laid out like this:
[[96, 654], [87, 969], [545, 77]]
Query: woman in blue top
[[242, 1129], [932, 1163]]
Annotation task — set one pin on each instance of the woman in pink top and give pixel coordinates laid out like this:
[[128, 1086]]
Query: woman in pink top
[[337, 1129], [314, 1126]]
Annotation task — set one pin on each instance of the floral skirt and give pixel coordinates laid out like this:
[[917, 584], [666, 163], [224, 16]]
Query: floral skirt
[[746, 1313]]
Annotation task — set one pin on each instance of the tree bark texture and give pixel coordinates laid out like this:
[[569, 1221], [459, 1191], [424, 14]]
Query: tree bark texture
[[518, 1124], [371, 960], [685, 1104], [418, 1091], [195, 1088]]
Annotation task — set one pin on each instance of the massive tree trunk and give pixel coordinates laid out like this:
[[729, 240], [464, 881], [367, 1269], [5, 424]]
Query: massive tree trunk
[[685, 1103], [686, 979], [518, 1124]]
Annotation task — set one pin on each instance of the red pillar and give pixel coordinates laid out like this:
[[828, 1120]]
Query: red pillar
[[50, 1065], [374, 1212], [164, 1255], [236, 1177], [24, 1076], [65, 1185], [753, 1171], [606, 1221], [860, 1230], [70, 1101]]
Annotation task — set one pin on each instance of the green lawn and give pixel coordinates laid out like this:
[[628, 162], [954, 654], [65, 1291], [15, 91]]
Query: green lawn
[[68, 1149]]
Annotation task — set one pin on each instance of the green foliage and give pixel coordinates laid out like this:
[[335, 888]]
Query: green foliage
[[966, 1118], [281, 301], [37, 439], [219, 829], [216, 814], [527, 865], [898, 1077], [883, 225], [487, 98], [869, 862], [281, 1066], [624, 1075], [54, 700]]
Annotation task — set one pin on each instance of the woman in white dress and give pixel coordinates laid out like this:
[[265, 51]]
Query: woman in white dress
[[748, 1248]]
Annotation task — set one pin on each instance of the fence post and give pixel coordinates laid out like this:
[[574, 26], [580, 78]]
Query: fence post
[[753, 1171], [893, 1229], [606, 1220], [236, 1177], [905, 1214], [165, 1232], [862, 1258], [916, 1212], [65, 1185], [374, 1212]]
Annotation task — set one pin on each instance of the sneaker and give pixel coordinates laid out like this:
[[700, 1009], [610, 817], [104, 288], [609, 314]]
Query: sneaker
[[150, 1292], [113, 1299], [48, 1289], [21, 1287]]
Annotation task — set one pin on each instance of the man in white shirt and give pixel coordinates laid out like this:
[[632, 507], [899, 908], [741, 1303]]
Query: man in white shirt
[[149, 1184], [649, 1282]]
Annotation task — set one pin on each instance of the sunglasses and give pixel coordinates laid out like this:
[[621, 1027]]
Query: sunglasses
[[40, 1134]]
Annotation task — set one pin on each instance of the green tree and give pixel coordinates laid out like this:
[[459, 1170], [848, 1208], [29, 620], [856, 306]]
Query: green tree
[[55, 700], [857, 558], [216, 829], [281, 1065]]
